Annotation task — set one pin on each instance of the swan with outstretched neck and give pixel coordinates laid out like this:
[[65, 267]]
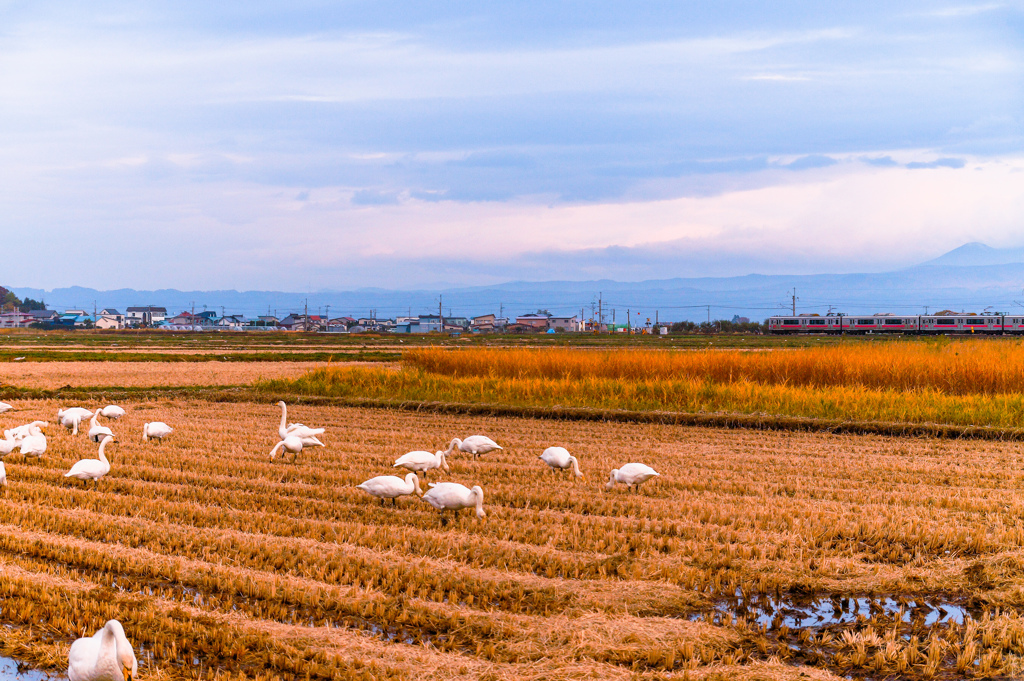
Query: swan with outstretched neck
[[92, 469], [305, 433], [105, 656]]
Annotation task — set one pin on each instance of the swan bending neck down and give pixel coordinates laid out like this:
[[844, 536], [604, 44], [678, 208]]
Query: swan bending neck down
[[422, 461], [631, 475], [559, 459], [451, 496], [291, 444], [105, 656], [391, 487], [474, 444]]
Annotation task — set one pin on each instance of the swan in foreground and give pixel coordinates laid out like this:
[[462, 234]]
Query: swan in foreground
[[92, 469], [19, 433], [5, 407], [559, 459], [112, 412], [156, 429], [305, 433], [105, 656], [474, 444], [96, 431], [72, 418], [7, 446], [631, 475], [451, 496], [291, 443], [391, 487], [421, 461], [34, 444]]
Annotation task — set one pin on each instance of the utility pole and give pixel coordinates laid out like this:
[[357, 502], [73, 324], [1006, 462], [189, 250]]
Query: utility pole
[[613, 316], [629, 322], [305, 316], [193, 319], [328, 315], [600, 309], [794, 301], [440, 312], [501, 310], [709, 314]]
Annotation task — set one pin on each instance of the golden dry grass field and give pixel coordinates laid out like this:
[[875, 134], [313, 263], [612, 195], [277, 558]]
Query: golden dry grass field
[[754, 555]]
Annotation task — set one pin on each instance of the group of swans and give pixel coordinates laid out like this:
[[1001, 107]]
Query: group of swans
[[444, 496], [631, 474], [295, 436]]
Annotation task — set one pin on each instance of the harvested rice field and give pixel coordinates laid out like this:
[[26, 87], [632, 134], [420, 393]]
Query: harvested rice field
[[53, 375], [758, 555]]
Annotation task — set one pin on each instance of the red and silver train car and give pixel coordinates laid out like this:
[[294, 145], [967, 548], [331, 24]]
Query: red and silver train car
[[888, 323]]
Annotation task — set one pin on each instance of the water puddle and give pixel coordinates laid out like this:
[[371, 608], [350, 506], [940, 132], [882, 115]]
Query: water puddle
[[11, 670], [773, 612]]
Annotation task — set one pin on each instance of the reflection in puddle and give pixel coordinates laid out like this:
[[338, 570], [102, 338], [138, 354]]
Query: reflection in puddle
[[9, 671], [772, 613]]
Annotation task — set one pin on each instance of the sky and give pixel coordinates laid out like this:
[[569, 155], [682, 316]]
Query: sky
[[309, 146]]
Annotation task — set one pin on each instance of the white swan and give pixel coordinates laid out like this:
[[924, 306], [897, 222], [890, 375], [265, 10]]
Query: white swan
[[559, 459], [96, 431], [92, 469], [422, 461], [3, 474], [34, 444], [112, 412], [5, 407], [19, 433], [105, 656], [631, 475], [451, 496], [474, 444], [307, 434], [156, 429], [291, 443], [7, 446], [72, 418], [391, 487]]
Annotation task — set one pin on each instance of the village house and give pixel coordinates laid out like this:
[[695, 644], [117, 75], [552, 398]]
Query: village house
[[570, 324], [145, 316], [533, 322]]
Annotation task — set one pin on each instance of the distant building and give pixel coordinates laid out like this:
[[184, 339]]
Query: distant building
[[108, 321], [145, 316], [570, 324], [533, 322], [44, 316], [15, 320]]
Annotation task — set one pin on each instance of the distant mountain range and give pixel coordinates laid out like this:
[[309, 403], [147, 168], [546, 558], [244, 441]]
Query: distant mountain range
[[972, 277]]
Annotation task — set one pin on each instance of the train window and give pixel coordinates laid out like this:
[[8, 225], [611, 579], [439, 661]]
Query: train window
[[816, 322], [947, 322], [790, 321], [865, 321], [893, 322]]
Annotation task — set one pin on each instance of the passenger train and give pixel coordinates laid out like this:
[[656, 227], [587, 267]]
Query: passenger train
[[889, 323]]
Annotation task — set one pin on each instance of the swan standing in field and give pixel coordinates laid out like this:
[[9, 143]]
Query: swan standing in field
[[305, 433], [34, 444], [96, 431], [291, 443], [105, 656], [92, 469], [559, 459], [5, 407], [71, 418], [420, 461], [156, 429], [19, 433], [451, 496], [391, 487], [474, 444], [631, 475], [112, 412]]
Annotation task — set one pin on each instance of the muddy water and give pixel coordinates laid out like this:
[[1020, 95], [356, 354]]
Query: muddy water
[[773, 612], [11, 670]]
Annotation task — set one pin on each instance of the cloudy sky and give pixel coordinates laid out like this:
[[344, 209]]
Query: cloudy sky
[[332, 145]]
